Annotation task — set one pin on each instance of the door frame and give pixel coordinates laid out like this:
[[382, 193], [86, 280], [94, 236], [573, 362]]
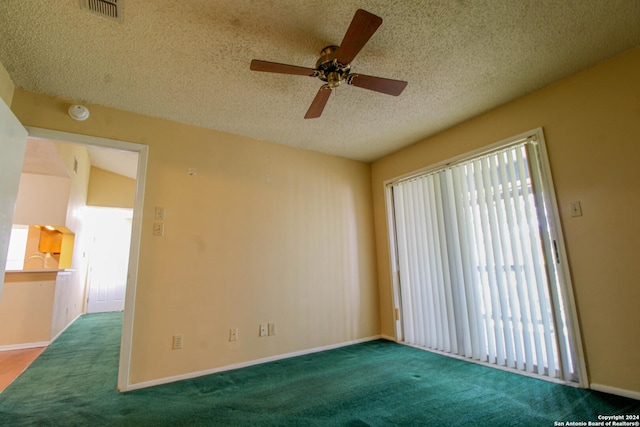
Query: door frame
[[136, 231], [13, 145]]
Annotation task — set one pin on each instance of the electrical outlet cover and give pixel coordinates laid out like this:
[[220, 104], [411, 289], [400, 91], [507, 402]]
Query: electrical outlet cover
[[177, 342]]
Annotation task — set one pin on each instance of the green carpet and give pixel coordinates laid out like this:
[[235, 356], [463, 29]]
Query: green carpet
[[73, 383]]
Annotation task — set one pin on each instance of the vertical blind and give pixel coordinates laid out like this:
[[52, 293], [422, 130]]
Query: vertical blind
[[475, 280]]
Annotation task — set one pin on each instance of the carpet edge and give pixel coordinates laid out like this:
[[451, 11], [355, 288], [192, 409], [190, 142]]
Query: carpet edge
[[196, 374]]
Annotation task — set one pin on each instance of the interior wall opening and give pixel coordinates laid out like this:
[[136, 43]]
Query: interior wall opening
[[133, 157]]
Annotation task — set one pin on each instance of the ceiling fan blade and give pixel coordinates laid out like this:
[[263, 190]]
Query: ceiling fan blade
[[275, 67], [317, 106], [378, 84], [362, 27]]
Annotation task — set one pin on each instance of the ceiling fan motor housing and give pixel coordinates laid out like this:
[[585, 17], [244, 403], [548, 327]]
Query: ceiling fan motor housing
[[330, 70]]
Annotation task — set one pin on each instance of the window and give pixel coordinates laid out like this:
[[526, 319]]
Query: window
[[17, 247], [478, 257]]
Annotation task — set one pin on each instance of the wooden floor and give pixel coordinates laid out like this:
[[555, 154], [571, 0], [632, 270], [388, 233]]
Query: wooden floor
[[14, 362]]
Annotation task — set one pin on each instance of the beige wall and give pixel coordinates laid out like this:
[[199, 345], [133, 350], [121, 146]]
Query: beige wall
[[261, 233], [592, 127], [70, 286], [110, 189], [42, 200], [26, 307], [6, 86]]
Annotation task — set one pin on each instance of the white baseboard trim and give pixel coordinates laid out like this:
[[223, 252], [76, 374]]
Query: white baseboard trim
[[190, 375], [388, 338], [615, 390], [65, 328], [24, 346]]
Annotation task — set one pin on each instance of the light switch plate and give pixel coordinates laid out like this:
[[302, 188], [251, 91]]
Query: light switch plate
[[576, 209], [177, 342], [159, 214]]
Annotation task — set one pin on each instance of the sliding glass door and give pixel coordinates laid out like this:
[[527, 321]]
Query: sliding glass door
[[477, 261]]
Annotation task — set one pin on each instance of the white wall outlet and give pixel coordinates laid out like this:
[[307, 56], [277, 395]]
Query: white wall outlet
[[272, 329], [233, 334], [576, 209], [158, 229], [263, 330], [177, 342], [159, 214]]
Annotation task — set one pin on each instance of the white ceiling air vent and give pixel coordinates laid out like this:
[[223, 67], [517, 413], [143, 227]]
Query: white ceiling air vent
[[111, 9]]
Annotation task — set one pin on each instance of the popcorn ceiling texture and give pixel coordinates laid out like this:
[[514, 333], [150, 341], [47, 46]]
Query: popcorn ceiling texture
[[188, 61]]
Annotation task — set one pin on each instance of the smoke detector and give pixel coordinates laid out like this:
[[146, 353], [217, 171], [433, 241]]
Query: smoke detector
[[79, 112], [111, 9]]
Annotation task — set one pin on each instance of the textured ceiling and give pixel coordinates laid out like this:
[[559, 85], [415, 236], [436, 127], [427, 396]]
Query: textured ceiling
[[42, 157], [189, 61], [123, 163]]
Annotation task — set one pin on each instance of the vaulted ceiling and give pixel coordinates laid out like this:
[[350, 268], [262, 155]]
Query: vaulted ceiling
[[188, 61]]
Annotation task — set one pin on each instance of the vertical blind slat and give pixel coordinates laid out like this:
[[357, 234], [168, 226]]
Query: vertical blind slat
[[514, 259], [484, 200], [500, 249], [481, 266], [417, 240], [543, 304], [522, 268], [445, 273], [436, 271], [401, 245], [470, 261], [461, 311]]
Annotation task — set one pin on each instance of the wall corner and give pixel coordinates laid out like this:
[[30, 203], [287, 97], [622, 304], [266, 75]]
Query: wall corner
[[6, 86]]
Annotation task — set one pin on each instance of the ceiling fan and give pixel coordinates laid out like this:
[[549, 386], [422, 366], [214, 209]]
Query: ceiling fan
[[334, 65]]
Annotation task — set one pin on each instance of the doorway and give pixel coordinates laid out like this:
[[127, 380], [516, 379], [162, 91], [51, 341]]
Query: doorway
[[55, 183], [136, 228], [108, 231]]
